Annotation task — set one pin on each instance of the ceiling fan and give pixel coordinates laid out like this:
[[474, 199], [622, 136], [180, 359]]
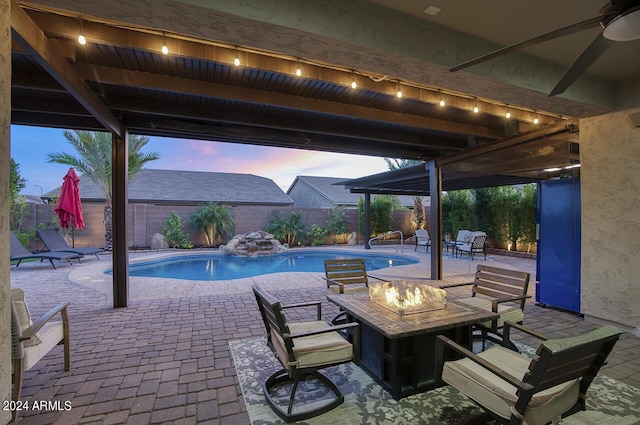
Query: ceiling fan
[[620, 21]]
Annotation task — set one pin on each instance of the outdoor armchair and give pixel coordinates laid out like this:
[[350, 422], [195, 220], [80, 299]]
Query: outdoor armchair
[[347, 275], [19, 253], [422, 239], [499, 290], [30, 341], [477, 243], [53, 241], [515, 389], [303, 349]]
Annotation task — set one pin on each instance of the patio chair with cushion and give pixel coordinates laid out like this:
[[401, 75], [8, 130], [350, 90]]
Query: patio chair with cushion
[[347, 275], [30, 341], [19, 253], [477, 243], [422, 239], [515, 389], [303, 349], [53, 241], [500, 290]]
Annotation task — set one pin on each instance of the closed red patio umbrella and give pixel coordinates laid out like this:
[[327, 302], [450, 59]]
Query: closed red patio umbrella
[[69, 208]]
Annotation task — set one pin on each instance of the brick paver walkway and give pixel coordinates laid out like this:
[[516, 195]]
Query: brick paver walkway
[[168, 360]]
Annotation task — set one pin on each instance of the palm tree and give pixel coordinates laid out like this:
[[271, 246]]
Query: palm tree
[[214, 221], [94, 161], [418, 218]]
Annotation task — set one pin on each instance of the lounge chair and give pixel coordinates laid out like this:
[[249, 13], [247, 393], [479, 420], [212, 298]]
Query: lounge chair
[[514, 389], [19, 253], [53, 241], [30, 341]]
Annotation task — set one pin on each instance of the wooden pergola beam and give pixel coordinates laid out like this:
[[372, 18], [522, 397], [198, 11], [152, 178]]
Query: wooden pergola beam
[[34, 41], [144, 80]]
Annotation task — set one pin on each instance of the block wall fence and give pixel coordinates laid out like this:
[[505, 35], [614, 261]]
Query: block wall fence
[[144, 220]]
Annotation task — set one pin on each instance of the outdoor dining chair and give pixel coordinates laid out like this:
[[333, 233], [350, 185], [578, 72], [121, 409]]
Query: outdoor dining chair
[[515, 389], [303, 349], [422, 239], [499, 290]]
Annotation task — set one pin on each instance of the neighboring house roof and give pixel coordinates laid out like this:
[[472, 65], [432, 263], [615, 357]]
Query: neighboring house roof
[[176, 187], [338, 194]]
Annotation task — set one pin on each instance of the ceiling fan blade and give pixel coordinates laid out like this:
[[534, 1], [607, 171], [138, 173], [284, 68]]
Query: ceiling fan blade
[[561, 32], [584, 61]]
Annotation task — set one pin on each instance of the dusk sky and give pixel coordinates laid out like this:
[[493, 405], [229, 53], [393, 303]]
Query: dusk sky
[[30, 146]]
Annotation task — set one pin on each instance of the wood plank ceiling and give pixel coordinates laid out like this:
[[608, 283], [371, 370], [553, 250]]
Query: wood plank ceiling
[[121, 78]]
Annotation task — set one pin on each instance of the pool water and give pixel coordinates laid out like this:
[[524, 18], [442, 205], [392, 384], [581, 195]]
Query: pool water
[[218, 267]]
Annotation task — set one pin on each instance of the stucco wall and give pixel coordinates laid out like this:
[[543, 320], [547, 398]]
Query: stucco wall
[[610, 175]]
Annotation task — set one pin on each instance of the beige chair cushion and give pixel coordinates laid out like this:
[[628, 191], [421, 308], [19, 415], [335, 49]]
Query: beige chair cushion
[[498, 396], [507, 311], [50, 335], [17, 296], [315, 350]]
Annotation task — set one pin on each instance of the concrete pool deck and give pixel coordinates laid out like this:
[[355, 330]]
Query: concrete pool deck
[[91, 274], [166, 357]]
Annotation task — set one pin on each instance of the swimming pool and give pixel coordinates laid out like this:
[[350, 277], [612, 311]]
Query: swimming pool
[[218, 267]]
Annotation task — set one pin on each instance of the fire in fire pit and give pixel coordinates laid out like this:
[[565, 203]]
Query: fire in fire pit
[[404, 297]]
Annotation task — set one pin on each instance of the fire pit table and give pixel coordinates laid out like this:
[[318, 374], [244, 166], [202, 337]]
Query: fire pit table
[[398, 346]]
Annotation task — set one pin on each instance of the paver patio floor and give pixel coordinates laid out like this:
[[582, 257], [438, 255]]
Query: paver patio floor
[[166, 358]]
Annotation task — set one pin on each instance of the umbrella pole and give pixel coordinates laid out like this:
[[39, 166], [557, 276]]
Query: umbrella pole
[[73, 231]]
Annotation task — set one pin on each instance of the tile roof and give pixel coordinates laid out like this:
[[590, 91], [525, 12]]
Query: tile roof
[[338, 194], [177, 186]]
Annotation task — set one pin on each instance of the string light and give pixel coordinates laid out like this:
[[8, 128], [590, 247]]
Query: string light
[[165, 49], [81, 38], [493, 109]]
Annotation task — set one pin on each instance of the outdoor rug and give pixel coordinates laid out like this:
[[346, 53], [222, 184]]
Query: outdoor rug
[[609, 402]]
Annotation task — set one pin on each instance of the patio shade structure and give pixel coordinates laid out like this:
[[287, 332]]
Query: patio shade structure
[[527, 158], [69, 207], [120, 82]]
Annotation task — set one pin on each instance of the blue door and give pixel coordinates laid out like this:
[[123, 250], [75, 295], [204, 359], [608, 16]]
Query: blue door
[[559, 244]]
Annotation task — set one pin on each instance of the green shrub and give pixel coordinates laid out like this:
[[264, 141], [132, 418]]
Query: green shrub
[[381, 213], [173, 231], [286, 227], [214, 220], [337, 222], [317, 235]]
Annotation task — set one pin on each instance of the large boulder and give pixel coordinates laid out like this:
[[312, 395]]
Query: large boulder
[[253, 243], [159, 241]]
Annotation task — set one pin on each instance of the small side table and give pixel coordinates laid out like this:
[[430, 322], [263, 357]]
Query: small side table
[[451, 244]]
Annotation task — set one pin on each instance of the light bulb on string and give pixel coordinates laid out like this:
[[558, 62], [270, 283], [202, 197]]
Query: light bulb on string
[[508, 114], [236, 60], [442, 102], [475, 107], [399, 92], [536, 121], [298, 71], [81, 39], [354, 85], [165, 49]]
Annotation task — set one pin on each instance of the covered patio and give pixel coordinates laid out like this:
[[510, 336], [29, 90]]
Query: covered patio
[[173, 355], [167, 360]]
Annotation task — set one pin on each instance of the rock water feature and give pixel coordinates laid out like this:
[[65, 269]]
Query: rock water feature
[[253, 243]]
